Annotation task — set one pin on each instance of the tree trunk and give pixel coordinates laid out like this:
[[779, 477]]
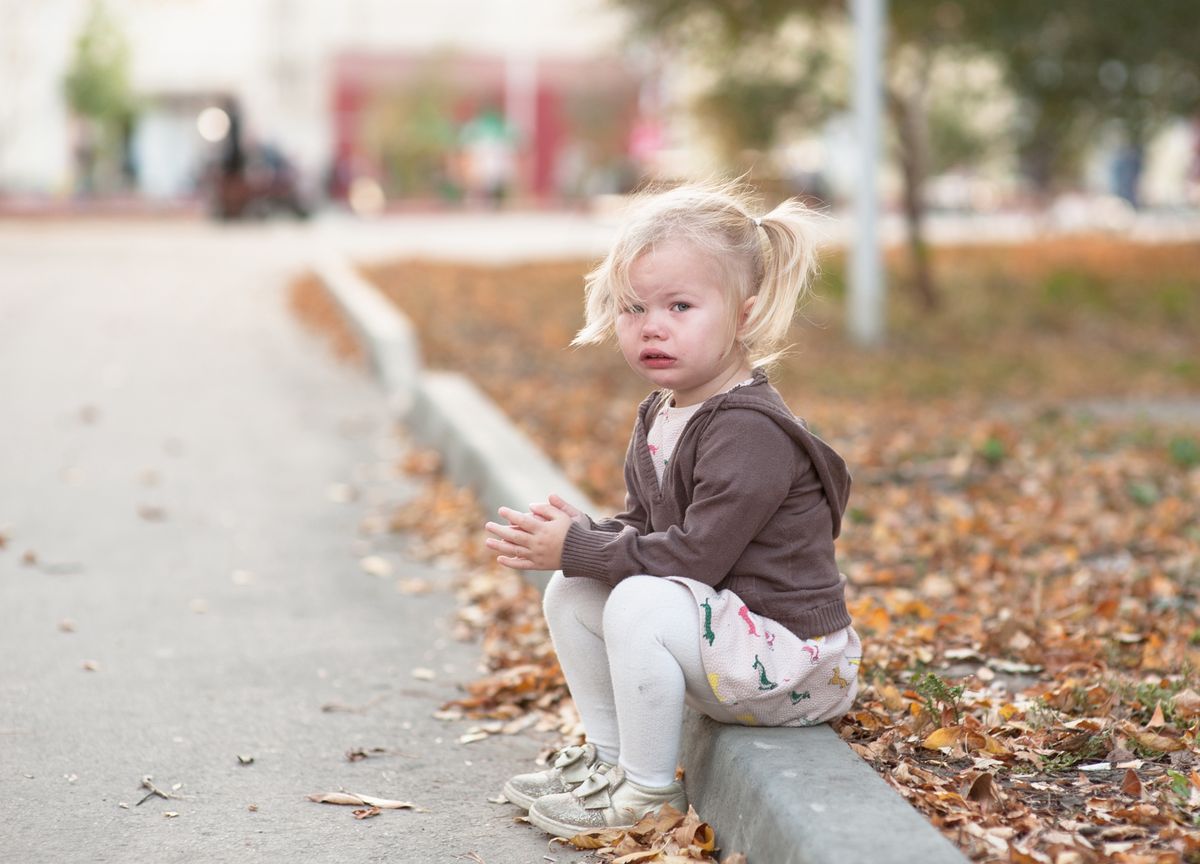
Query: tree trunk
[[910, 130]]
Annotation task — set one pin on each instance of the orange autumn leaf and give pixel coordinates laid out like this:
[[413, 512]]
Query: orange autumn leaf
[[595, 841], [695, 833], [946, 736], [1131, 785]]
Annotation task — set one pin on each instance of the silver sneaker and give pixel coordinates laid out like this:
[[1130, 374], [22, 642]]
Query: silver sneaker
[[607, 799], [570, 767]]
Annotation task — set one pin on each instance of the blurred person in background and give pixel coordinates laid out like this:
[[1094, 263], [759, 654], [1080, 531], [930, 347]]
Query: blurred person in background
[[252, 179]]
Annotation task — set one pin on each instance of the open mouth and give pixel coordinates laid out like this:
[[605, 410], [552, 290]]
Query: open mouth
[[655, 358]]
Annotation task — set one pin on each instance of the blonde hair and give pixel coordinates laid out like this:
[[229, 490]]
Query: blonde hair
[[771, 257]]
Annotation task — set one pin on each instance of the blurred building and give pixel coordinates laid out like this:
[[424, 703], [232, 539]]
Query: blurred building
[[452, 99]]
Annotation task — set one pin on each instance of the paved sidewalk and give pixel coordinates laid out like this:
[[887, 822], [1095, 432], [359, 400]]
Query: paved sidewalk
[[171, 438]]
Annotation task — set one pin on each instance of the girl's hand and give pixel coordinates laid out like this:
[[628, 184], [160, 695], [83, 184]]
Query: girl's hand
[[531, 541], [571, 510]]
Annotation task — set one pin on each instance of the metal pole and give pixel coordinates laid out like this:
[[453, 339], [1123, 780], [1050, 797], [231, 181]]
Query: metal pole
[[866, 290]]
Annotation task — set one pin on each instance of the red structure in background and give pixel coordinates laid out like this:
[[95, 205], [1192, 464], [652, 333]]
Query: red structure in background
[[583, 116]]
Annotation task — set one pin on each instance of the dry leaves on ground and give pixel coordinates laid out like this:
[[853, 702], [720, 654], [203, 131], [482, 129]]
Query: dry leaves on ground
[[666, 837]]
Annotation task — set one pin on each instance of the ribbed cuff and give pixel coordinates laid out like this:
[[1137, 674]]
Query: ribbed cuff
[[584, 554]]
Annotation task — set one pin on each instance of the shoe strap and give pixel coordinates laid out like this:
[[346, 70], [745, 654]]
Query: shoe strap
[[573, 764], [595, 793]]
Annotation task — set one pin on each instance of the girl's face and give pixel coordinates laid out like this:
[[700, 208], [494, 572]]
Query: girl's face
[[680, 336]]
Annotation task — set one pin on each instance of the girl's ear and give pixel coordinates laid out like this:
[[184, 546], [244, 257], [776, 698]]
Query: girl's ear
[[747, 307]]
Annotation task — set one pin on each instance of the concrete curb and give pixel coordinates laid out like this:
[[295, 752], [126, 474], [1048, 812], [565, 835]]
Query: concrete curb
[[388, 336], [781, 796]]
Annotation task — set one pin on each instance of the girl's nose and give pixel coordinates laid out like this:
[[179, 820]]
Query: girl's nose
[[652, 327]]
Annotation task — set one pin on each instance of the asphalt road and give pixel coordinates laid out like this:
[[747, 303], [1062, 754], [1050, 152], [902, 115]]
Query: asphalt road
[[180, 579]]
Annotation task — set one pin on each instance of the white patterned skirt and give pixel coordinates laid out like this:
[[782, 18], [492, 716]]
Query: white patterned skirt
[[763, 674]]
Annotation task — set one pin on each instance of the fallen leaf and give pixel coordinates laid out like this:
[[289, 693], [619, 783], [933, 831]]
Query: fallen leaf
[[519, 724], [1186, 704], [946, 736], [66, 625], [367, 813], [91, 666], [595, 840], [892, 698], [643, 855], [414, 586], [984, 791], [693, 832], [170, 814], [1154, 740], [374, 565], [1156, 721], [253, 808], [350, 798], [1131, 785], [245, 760], [423, 674]]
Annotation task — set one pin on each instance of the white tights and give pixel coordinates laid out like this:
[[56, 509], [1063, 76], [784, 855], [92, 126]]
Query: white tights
[[631, 657]]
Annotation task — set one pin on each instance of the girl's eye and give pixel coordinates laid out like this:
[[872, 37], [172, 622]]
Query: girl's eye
[[681, 306]]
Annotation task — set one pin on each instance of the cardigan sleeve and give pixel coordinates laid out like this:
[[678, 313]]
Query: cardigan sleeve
[[739, 485]]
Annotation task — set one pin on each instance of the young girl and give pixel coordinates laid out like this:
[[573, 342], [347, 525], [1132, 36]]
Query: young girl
[[717, 587]]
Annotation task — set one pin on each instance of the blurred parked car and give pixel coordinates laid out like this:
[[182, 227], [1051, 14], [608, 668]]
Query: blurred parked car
[[267, 184]]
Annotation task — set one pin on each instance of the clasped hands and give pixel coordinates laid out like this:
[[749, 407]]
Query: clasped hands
[[533, 540]]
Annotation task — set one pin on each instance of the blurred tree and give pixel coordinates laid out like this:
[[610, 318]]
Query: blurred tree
[[1079, 64], [98, 90], [765, 74]]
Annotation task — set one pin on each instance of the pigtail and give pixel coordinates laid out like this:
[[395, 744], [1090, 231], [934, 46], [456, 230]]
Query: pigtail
[[599, 316], [789, 266]]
